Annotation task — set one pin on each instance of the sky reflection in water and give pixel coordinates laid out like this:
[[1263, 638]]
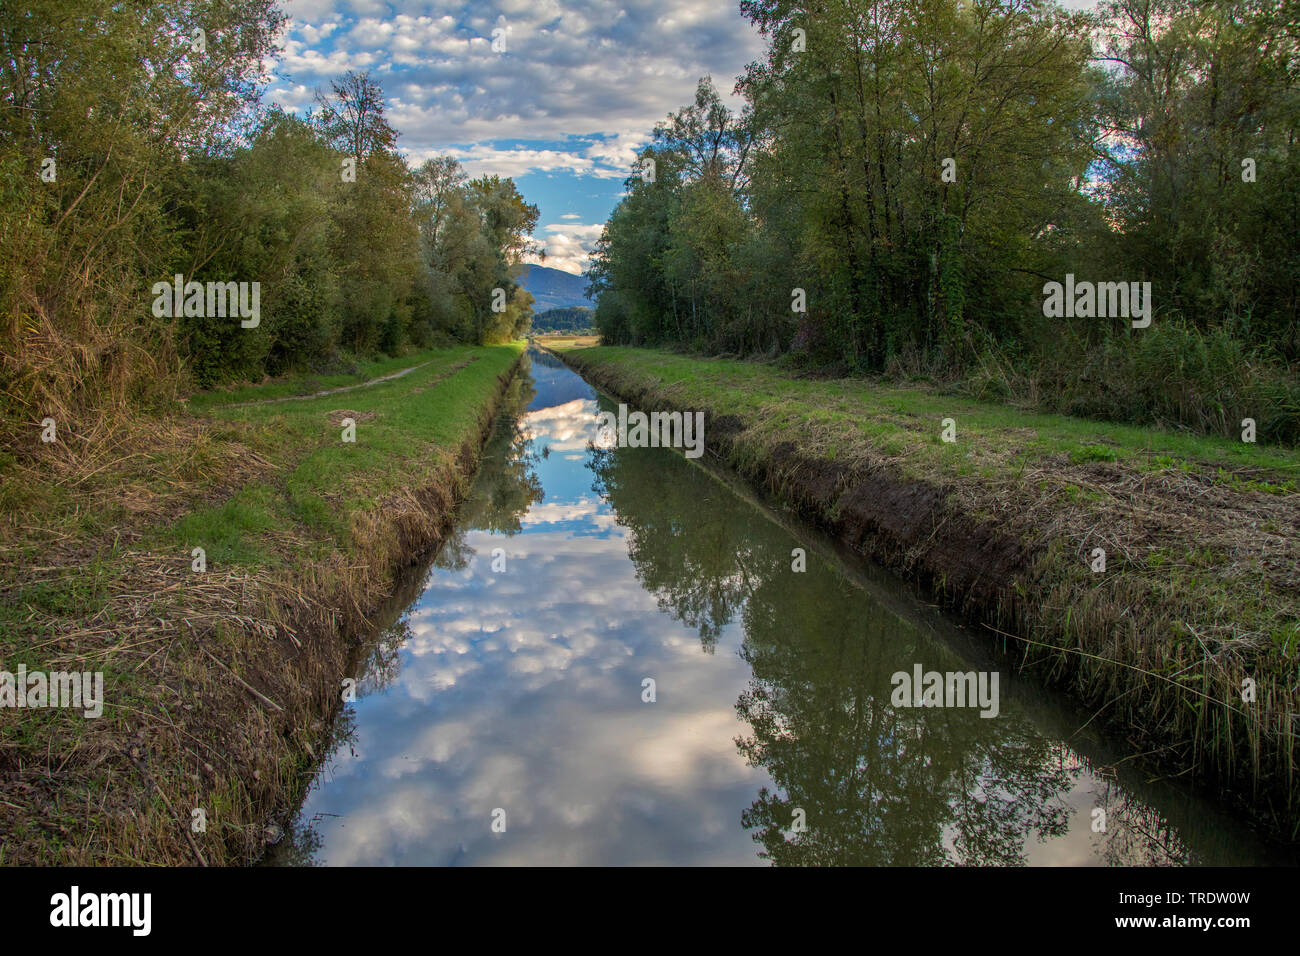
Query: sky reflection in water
[[521, 690]]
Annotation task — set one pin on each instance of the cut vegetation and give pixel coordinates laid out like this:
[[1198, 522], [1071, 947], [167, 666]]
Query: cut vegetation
[[219, 681], [1200, 596]]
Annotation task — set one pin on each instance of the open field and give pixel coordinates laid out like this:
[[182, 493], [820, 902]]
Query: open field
[[1186, 641], [219, 668], [561, 341]]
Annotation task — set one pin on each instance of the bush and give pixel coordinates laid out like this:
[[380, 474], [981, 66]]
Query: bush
[[1170, 375]]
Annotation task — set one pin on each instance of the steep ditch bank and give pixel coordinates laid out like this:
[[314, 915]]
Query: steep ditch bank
[[220, 675], [1002, 529]]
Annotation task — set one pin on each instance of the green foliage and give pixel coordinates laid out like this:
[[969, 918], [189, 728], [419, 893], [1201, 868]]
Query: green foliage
[[115, 96], [473, 236], [1172, 374], [1207, 85], [574, 319], [921, 168], [166, 165]]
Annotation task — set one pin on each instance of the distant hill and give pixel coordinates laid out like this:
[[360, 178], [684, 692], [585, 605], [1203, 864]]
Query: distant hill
[[553, 288], [573, 319]]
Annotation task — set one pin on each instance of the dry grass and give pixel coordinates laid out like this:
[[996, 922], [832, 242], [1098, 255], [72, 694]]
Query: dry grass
[[562, 341], [219, 684], [1201, 589]]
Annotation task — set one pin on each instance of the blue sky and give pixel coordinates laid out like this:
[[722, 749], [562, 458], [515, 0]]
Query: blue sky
[[562, 110]]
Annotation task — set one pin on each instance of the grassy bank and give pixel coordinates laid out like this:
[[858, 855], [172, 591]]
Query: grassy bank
[[217, 680], [1201, 586]]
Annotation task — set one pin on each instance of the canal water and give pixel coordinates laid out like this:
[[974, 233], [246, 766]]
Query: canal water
[[612, 661]]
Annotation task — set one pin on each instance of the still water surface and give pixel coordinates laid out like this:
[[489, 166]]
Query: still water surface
[[514, 693]]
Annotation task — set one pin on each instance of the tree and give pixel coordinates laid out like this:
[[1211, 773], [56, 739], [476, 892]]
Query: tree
[[353, 118], [114, 96], [1195, 90]]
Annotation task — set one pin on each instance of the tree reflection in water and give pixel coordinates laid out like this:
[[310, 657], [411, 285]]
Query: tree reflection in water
[[877, 785], [506, 485]]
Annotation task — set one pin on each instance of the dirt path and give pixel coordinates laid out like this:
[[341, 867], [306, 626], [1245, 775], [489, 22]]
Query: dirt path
[[328, 391], [216, 696]]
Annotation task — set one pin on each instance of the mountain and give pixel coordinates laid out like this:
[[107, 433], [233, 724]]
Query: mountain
[[553, 288]]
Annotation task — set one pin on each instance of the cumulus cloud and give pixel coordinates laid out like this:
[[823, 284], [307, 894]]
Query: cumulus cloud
[[576, 92], [568, 246], [481, 159], [587, 69]]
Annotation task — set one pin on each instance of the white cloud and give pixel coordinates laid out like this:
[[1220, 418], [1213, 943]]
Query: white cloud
[[480, 159], [569, 245], [587, 68], [618, 151], [587, 78]]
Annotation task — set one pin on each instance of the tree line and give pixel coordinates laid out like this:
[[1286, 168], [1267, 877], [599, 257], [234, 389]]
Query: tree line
[[904, 178], [134, 147], [576, 318]]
